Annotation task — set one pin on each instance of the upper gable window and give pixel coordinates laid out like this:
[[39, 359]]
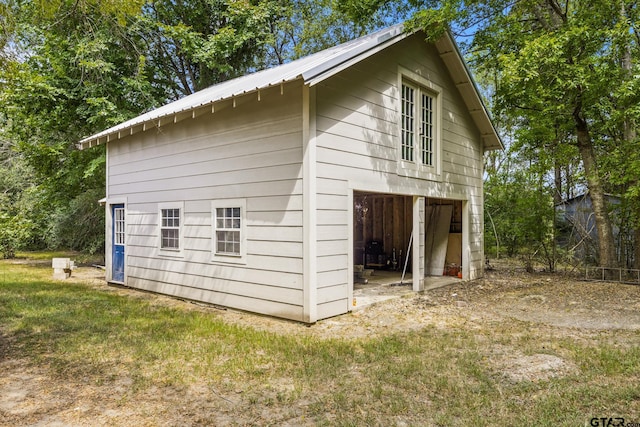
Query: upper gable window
[[408, 121], [420, 111], [426, 128]]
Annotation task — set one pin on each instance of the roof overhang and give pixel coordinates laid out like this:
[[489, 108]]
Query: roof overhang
[[462, 78]]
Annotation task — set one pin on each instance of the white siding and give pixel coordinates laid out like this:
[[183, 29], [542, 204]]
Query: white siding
[[252, 151], [357, 148]]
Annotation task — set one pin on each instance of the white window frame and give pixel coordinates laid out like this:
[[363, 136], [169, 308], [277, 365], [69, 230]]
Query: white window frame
[[408, 122], [119, 226], [179, 251], [414, 166], [226, 257]]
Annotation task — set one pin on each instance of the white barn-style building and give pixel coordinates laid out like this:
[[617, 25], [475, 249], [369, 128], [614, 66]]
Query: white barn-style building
[[265, 193]]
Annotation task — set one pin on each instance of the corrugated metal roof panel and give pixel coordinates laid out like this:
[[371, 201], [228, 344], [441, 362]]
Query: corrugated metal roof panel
[[314, 69], [309, 67]]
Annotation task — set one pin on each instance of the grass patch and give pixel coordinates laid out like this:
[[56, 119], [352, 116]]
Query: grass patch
[[433, 376]]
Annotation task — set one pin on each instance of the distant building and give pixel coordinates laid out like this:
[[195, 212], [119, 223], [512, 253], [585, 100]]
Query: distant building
[[578, 232]]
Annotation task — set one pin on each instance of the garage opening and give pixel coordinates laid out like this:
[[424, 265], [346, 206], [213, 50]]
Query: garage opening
[[443, 238], [382, 238], [382, 233]]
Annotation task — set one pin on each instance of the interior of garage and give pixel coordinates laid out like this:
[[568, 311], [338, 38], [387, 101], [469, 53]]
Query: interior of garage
[[382, 235], [382, 230]]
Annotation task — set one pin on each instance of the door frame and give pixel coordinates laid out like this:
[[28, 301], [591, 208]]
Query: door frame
[[109, 224], [417, 244]]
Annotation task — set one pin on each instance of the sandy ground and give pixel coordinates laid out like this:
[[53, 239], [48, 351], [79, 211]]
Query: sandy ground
[[571, 308]]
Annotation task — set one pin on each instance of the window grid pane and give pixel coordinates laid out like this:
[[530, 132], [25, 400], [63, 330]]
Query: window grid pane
[[119, 226], [170, 229], [426, 130], [408, 118], [170, 238], [228, 224]]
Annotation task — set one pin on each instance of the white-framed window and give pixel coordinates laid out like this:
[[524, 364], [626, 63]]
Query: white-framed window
[[170, 222], [119, 226], [420, 125], [426, 128], [408, 121], [229, 235]]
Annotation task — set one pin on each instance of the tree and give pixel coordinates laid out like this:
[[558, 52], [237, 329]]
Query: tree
[[553, 63], [70, 68], [308, 26], [194, 44]]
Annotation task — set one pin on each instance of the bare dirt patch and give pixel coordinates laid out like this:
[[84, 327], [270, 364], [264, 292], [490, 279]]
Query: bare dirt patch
[[561, 307]]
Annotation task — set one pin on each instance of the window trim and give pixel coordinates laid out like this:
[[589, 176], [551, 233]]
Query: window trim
[[421, 85], [119, 226], [179, 251], [240, 258]]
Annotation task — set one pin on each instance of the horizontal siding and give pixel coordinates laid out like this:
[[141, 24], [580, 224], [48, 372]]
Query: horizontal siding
[[333, 247], [358, 139], [331, 262], [330, 127], [218, 285], [333, 308], [210, 192], [286, 173], [331, 294], [274, 114], [332, 278], [218, 271], [248, 303], [338, 187], [251, 152], [332, 232], [283, 234], [196, 168], [272, 262]]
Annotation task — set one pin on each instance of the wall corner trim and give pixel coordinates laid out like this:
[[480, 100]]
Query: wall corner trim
[[310, 220]]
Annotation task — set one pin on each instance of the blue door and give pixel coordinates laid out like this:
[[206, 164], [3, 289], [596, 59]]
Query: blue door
[[117, 259]]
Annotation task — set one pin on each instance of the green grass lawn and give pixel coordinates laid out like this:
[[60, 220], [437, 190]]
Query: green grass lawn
[[81, 335]]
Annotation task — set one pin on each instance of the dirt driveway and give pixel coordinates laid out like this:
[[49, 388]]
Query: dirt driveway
[[540, 298], [569, 308]]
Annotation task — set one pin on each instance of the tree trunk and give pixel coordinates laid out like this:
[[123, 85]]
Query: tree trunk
[[606, 245], [629, 135], [557, 181]]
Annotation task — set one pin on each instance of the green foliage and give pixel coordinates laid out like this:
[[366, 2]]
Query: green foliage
[[70, 68], [309, 26], [192, 45], [79, 225], [564, 78], [519, 214], [13, 231]]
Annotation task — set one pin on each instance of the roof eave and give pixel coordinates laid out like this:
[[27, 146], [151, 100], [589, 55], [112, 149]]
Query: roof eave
[[461, 75], [338, 64], [446, 47], [140, 123]]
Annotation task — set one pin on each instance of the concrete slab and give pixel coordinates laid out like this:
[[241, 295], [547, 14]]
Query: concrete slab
[[383, 285]]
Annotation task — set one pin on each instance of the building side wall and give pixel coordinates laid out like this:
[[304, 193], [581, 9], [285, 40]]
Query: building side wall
[[358, 137], [248, 149]]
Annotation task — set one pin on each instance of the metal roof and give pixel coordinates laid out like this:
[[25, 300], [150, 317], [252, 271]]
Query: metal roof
[[311, 69]]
